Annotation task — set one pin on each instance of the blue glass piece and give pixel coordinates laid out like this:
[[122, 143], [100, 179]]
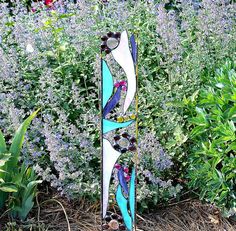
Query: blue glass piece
[[134, 48], [107, 83], [122, 181], [122, 203], [110, 125], [113, 102], [132, 194]]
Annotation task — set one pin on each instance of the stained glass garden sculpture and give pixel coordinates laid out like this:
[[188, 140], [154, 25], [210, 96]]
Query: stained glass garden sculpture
[[119, 131]]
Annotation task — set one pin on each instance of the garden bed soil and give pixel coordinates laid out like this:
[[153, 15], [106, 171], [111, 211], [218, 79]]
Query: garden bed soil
[[59, 214]]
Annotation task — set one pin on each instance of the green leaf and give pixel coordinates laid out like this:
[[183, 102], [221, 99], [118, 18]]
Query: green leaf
[[232, 147], [6, 187], [26, 207], [30, 188], [220, 85], [232, 112], [32, 184], [200, 111], [231, 125], [194, 96], [197, 131], [19, 139], [3, 147], [4, 158], [66, 15]]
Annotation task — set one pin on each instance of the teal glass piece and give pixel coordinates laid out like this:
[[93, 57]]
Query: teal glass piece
[[111, 125], [107, 83], [132, 194], [122, 203]]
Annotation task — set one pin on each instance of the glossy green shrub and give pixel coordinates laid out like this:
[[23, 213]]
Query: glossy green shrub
[[212, 162]]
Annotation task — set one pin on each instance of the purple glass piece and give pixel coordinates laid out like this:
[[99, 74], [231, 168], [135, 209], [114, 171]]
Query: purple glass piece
[[122, 181], [113, 102], [134, 48]]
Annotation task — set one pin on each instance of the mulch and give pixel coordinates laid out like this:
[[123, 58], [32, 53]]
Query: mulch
[[59, 214]]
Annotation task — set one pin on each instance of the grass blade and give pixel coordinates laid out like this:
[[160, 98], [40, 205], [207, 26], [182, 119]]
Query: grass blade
[[3, 147]]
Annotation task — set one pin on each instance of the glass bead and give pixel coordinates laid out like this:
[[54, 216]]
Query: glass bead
[[132, 148], [133, 116], [112, 43], [116, 147], [117, 137], [120, 119], [123, 150], [108, 218], [125, 134], [133, 140]]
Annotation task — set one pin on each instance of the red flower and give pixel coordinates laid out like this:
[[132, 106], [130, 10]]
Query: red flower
[[49, 2]]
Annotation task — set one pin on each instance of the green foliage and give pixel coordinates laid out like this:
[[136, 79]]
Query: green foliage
[[17, 142], [22, 200], [212, 161], [17, 181], [180, 45]]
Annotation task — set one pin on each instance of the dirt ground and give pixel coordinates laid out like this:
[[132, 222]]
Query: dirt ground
[[57, 214], [187, 216]]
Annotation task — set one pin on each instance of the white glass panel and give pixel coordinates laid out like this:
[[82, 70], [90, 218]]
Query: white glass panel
[[123, 56]]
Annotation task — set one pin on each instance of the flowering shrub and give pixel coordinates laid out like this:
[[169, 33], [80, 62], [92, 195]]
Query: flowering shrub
[[39, 67], [155, 181], [49, 58]]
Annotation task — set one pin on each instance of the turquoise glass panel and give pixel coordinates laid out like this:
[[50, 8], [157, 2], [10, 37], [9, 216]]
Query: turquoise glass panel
[[132, 194], [111, 125], [122, 203], [107, 86]]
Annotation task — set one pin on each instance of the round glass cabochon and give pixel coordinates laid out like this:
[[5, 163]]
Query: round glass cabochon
[[112, 43]]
